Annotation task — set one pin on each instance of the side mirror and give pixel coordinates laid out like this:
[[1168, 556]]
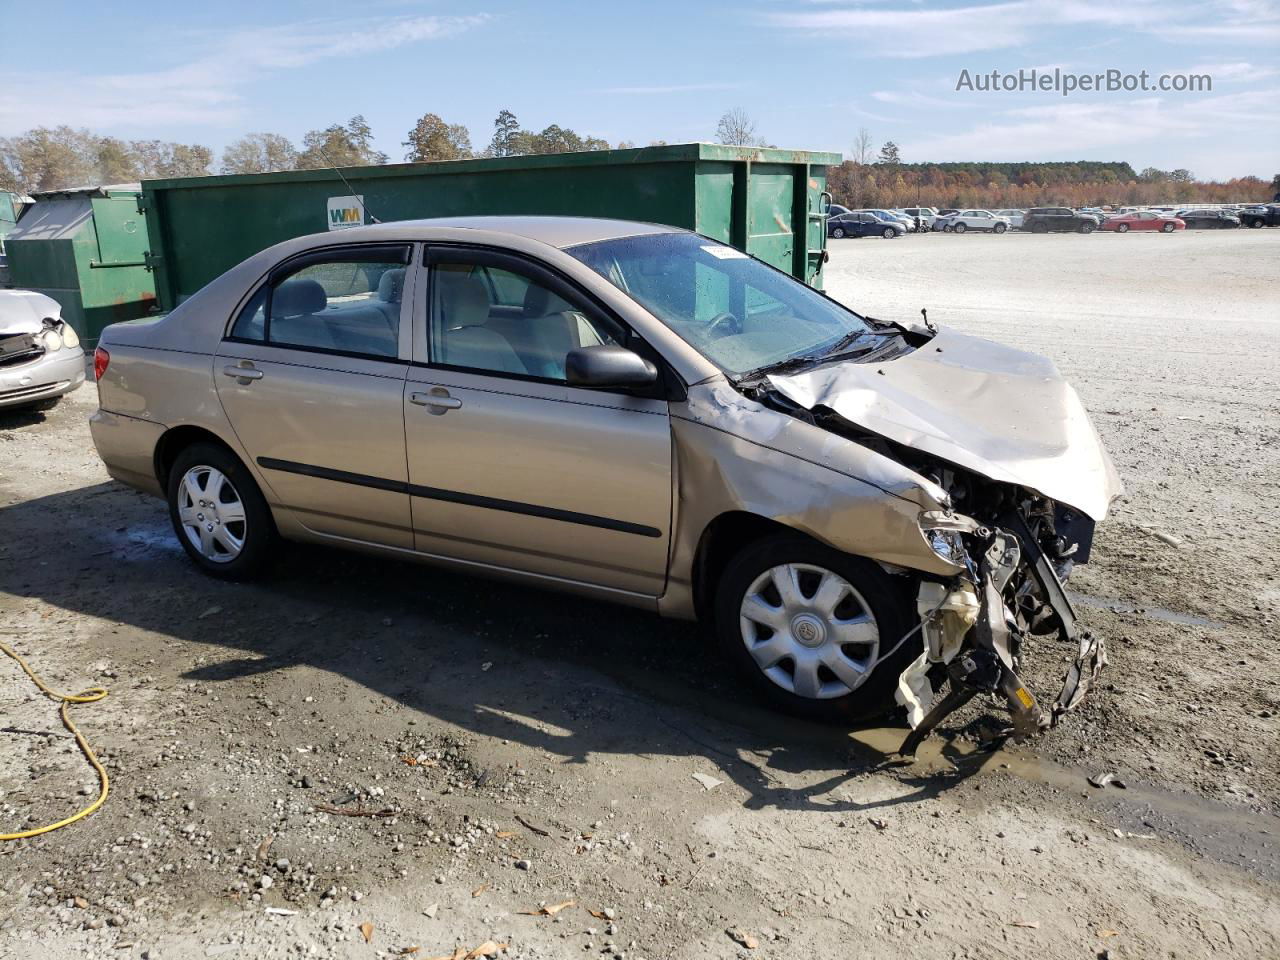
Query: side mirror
[[608, 366]]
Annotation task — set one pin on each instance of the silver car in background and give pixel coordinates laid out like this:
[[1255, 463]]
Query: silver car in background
[[40, 354], [636, 413]]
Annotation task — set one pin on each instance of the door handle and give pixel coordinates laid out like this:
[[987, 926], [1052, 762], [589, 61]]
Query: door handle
[[440, 401], [242, 373]]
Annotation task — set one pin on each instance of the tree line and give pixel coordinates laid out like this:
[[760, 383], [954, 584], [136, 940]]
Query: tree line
[[59, 157]]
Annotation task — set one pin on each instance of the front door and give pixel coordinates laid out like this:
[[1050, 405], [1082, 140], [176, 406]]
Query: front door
[[511, 467], [312, 378]]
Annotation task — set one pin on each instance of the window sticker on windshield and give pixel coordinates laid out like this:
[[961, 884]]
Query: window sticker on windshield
[[724, 253]]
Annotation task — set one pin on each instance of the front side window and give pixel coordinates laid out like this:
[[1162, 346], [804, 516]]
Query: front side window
[[739, 313], [500, 320], [348, 304]]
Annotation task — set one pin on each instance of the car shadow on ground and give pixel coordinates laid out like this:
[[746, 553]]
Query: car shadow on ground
[[574, 678]]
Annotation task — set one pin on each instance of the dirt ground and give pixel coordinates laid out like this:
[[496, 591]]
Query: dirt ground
[[520, 750]]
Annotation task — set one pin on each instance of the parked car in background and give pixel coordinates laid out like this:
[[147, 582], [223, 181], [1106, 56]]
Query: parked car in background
[[1144, 220], [862, 224], [1209, 219], [891, 217], [1015, 217], [926, 215], [1059, 220], [835, 209], [512, 396], [40, 355], [1265, 215], [965, 220]]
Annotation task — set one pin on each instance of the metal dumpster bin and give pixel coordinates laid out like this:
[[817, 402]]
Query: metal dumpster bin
[[85, 248], [764, 201]]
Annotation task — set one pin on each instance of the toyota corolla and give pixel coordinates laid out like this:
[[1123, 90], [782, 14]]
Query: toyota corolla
[[861, 509]]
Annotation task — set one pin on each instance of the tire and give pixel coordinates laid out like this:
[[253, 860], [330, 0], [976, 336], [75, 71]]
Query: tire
[[1088, 227], [1122, 228], [1039, 228], [1168, 228], [876, 608], [947, 228], [225, 527], [960, 227], [889, 233], [999, 228], [837, 234], [1255, 223]]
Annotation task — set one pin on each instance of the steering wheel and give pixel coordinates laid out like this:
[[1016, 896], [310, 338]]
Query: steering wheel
[[727, 320]]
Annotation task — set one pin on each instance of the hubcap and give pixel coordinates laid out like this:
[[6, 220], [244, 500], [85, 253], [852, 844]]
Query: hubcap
[[809, 631], [211, 514]]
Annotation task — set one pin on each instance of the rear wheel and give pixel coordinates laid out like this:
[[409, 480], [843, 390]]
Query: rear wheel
[[1255, 222], [889, 233], [1087, 227], [837, 233], [1122, 228], [1039, 228], [1169, 228], [961, 227], [807, 625], [219, 514], [1000, 228]]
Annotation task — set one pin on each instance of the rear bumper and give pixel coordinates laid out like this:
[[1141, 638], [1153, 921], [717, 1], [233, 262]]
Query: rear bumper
[[127, 447], [50, 376]]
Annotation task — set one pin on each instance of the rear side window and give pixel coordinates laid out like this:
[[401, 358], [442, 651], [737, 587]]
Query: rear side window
[[346, 302]]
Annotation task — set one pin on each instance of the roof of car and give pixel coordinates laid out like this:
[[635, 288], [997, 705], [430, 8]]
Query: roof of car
[[555, 231]]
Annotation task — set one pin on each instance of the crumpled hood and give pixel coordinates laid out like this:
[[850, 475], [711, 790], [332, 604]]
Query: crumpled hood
[[23, 311], [999, 412]]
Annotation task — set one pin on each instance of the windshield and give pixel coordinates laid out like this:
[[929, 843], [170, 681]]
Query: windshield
[[738, 312]]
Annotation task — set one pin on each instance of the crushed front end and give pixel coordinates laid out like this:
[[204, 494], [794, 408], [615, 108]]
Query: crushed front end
[[1016, 549]]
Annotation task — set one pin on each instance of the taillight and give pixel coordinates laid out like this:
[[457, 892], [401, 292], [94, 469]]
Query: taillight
[[100, 360]]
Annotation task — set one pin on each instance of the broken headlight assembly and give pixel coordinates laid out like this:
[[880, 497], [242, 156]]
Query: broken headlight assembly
[[972, 629], [58, 334]]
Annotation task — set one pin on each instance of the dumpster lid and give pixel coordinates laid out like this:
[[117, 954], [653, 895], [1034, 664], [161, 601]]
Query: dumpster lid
[[100, 190]]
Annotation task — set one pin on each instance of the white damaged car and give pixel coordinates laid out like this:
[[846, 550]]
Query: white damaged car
[[40, 354]]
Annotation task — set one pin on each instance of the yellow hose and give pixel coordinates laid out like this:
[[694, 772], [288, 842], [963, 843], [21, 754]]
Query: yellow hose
[[92, 695]]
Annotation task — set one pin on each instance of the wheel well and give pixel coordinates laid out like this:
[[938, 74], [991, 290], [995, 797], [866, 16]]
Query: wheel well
[[174, 441], [723, 538]]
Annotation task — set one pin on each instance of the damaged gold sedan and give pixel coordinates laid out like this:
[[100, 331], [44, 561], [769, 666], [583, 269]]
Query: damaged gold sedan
[[863, 509]]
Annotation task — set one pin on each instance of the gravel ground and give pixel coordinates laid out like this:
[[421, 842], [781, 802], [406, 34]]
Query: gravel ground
[[508, 751]]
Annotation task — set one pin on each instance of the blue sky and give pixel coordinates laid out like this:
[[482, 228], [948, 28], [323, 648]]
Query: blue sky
[[810, 72]]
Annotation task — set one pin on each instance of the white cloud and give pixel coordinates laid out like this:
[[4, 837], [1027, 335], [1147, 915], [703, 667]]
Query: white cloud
[[672, 88], [211, 88]]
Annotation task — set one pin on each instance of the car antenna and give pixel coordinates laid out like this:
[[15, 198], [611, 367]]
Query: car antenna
[[931, 327], [358, 197]]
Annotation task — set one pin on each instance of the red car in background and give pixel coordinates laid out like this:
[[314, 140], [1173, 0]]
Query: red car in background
[[1143, 220]]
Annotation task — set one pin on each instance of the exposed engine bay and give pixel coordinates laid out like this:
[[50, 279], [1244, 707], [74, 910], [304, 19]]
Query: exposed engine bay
[[975, 430]]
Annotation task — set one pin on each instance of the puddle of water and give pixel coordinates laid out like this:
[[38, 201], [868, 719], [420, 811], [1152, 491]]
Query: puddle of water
[[138, 540], [1156, 613]]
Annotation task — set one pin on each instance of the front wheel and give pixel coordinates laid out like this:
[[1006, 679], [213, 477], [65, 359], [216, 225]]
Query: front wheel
[[1122, 228], [1000, 228], [961, 227], [837, 234], [889, 233], [1039, 228], [1169, 228], [1255, 223], [1087, 227], [219, 514], [808, 625]]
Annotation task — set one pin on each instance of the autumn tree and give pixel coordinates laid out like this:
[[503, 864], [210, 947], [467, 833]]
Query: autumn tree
[[340, 145], [259, 153], [433, 139]]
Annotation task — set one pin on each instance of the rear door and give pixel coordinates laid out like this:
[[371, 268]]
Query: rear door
[[311, 376], [509, 466]]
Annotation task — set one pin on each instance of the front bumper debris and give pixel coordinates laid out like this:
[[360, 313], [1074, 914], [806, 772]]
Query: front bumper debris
[[970, 632]]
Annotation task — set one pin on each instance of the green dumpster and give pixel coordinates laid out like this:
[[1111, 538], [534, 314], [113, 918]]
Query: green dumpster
[[86, 249], [767, 202]]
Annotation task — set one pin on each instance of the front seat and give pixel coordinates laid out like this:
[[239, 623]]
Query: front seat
[[466, 341]]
